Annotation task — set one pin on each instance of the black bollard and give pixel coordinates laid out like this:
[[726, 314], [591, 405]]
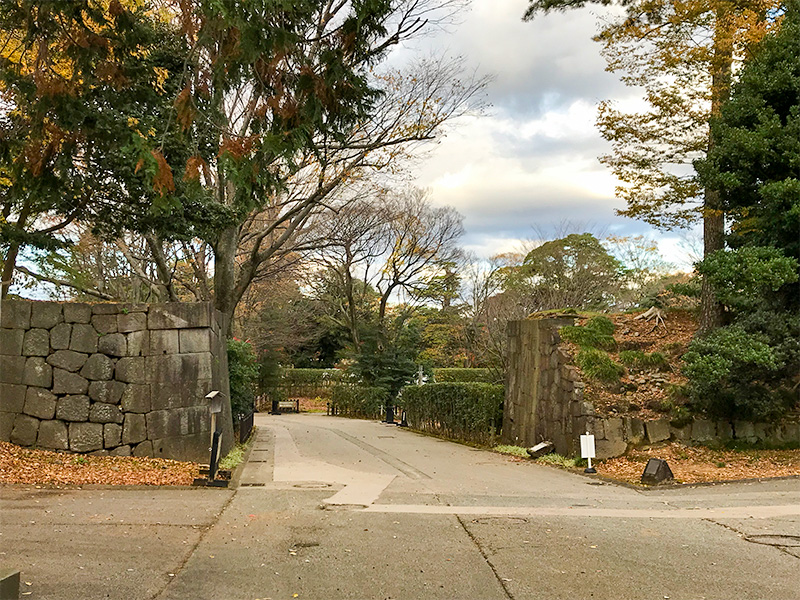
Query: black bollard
[[389, 413], [403, 422], [275, 409]]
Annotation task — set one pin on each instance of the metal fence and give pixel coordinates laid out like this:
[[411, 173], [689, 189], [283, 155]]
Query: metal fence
[[244, 426]]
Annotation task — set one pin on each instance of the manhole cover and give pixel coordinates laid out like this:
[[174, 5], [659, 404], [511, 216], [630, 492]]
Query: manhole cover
[[312, 485], [775, 539], [494, 520]]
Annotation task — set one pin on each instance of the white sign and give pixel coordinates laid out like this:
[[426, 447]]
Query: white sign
[[587, 446]]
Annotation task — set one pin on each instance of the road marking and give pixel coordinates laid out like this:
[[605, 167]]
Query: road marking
[[734, 512]]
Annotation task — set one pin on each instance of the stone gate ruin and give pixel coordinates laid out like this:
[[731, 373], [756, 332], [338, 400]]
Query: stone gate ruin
[[120, 379]]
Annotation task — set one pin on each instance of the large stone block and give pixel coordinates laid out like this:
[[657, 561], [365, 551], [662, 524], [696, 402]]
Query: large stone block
[[634, 430], [53, 435], [40, 403], [120, 451], [12, 397], [197, 366], [98, 368], [745, 430], [164, 396], [46, 315], [6, 425], [179, 315], [12, 369], [136, 398], [681, 434], [73, 408], [194, 392], [105, 308], [610, 448], [113, 344], [657, 430], [131, 370], [85, 437], [143, 450], [134, 429], [25, 430], [128, 322], [164, 341], [36, 342], [112, 435], [37, 372], [15, 314], [84, 339], [11, 341], [109, 392], [138, 343], [65, 382], [703, 430], [614, 429], [724, 431], [162, 424], [194, 340], [167, 368], [104, 324], [69, 360], [77, 312], [105, 413], [60, 336]]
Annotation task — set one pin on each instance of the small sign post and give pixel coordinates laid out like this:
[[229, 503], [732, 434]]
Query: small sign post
[[215, 399], [587, 451]]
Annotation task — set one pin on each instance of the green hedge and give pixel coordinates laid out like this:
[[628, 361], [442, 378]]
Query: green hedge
[[304, 383], [451, 375], [464, 411], [357, 401]]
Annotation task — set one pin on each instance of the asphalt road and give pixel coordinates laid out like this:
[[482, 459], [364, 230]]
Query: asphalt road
[[331, 508]]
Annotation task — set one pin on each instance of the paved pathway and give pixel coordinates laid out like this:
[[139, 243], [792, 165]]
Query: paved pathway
[[334, 508]]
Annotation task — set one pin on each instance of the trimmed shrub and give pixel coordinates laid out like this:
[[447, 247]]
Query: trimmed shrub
[[357, 401], [463, 411], [453, 375], [304, 383]]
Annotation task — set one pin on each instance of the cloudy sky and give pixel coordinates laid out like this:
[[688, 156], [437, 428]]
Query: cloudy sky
[[530, 164]]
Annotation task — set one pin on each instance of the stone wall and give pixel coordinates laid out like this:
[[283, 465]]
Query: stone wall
[[544, 401], [122, 379], [544, 393]]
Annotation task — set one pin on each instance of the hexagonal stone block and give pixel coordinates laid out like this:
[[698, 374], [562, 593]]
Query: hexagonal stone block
[[16, 314], [65, 382], [37, 372], [109, 392], [85, 437], [128, 322], [84, 339], [113, 344], [11, 341], [136, 398], [25, 430], [77, 312], [36, 342], [112, 435], [12, 397], [73, 408], [134, 429], [40, 403], [105, 413], [98, 368], [69, 360], [53, 435], [12, 369]]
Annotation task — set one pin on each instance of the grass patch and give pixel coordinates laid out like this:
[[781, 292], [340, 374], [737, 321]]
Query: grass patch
[[235, 457], [512, 450], [597, 333], [598, 365], [561, 461], [636, 359]]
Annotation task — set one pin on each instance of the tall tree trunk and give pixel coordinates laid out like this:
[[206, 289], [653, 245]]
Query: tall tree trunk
[[713, 211], [225, 274], [9, 263]]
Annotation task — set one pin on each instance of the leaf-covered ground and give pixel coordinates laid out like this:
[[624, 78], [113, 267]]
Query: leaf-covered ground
[[26, 465], [696, 464]]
